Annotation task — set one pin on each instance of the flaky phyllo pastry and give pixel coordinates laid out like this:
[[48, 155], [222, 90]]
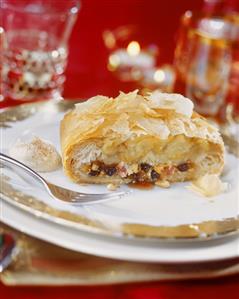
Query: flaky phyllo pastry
[[139, 139]]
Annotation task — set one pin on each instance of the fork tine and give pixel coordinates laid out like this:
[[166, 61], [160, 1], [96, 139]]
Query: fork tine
[[97, 195], [92, 201], [101, 197]]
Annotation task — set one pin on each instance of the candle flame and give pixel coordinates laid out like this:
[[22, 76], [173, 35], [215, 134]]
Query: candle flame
[[114, 60], [133, 48], [159, 76]]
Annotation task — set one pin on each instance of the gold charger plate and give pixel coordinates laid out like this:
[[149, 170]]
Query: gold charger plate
[[38, 263]]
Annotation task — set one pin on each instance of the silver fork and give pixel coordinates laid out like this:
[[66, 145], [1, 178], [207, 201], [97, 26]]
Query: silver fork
[[55, 191]]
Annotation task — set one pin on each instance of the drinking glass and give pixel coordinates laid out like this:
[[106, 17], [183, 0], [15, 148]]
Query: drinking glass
[[206, 62], [34, 47]]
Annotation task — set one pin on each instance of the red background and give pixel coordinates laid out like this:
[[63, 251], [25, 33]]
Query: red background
[[158, 21], [87, 75]]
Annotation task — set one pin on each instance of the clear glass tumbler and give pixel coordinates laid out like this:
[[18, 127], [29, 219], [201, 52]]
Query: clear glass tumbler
[[206, 62], [34, 47]]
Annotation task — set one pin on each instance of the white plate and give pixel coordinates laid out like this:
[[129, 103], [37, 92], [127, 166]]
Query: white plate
[[124, 249], [169, 213]]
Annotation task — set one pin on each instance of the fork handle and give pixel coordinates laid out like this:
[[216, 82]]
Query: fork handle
[[22, 169]]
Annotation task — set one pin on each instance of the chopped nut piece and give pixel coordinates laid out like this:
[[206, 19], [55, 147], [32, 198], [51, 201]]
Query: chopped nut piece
[[122, 170], [170, 170], [132, 169], [95, 167], [208, 185], [85, 167], [112, 187], [159, 168], [163, 184]]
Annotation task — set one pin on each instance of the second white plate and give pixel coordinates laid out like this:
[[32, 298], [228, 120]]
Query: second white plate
[[123, 249]]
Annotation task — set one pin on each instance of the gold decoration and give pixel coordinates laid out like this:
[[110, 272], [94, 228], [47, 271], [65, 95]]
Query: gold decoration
[[24, 111], [20, 199], [41, 263]]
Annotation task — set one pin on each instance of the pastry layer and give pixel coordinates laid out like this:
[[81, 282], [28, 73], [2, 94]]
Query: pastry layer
[[139, 139]]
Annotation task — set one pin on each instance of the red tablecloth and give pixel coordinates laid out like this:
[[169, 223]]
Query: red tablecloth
[[86, 76], [227, 288]]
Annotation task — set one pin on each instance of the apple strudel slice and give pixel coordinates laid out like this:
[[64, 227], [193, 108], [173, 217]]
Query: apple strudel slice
[[156, 139]]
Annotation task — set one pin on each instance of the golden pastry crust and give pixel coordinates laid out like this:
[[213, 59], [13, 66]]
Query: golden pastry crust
[[122, 134]]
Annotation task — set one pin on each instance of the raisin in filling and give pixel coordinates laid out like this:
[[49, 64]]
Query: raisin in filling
[[183, 167], [97, 168], [146, 172], [93, 172], [110, 170], [154, 175], [145, 167]]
